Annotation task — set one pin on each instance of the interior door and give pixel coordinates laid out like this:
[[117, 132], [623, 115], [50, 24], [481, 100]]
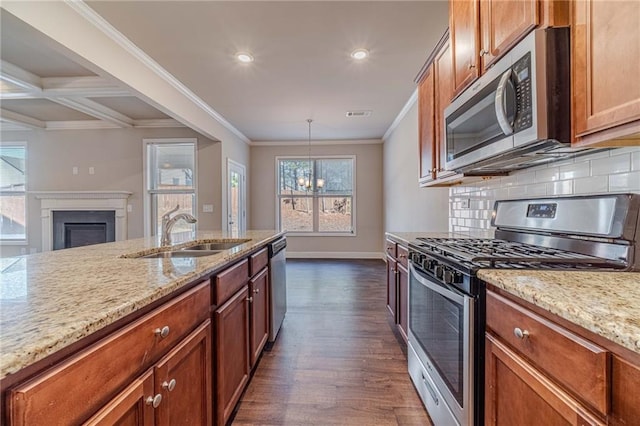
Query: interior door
[[236, 198]]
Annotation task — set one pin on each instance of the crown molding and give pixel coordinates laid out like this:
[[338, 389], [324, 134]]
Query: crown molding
[[319, 142], [403, 112], [99, 22]]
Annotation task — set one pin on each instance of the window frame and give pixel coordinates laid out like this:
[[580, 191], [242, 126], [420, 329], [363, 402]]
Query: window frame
[[315, 196], [24, 241], [148, 207]]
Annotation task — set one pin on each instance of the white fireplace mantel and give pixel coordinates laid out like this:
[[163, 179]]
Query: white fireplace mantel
[[81, 200]]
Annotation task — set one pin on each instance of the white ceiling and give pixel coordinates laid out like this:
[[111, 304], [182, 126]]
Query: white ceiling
[[302, 66]]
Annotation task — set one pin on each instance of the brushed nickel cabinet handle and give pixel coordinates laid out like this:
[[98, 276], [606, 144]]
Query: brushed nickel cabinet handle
[[471, 66], [154, 400], [249, 299], [162, 332], [520, 334], [170, 385], [483, 52]]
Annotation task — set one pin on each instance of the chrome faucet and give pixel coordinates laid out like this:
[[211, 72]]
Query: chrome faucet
[[168, 222]]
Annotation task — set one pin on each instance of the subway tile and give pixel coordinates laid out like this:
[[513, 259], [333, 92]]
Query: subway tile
[[537, 190], [625, 150], [547, 175], [624, 182], [575, 170], [603, 153], [563, 187], [615, 164], [517, 191], [565, 162], [525, 178], [635, 160], [591, 185]]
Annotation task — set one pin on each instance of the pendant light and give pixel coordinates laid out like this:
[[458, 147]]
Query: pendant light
[[307, 182]]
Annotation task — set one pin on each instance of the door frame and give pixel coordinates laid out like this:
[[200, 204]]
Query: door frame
[[234, 166]]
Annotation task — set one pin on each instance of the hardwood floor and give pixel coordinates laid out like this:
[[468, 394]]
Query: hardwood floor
[[336, 360]]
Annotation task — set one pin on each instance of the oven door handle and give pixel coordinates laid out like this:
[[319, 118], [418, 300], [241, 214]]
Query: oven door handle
[[440, 288]]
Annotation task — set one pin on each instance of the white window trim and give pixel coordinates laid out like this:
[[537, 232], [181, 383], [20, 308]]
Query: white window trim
[[25, 241], [145, 178], [354, 215]]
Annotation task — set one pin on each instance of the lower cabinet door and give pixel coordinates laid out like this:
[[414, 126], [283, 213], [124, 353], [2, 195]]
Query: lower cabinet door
[[403, 300], [392, 266], [232, 353], [132, 407], [183, 379], [259, 296], [518, 394]]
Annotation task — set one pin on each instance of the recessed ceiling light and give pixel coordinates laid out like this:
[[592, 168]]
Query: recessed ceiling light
[[244, 57], [360, 54]]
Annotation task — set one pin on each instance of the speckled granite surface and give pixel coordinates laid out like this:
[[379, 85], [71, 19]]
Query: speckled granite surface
[[50, 300], [606, 303]]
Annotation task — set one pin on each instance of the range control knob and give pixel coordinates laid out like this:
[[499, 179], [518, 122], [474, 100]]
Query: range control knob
[[430, 264], [439, 271], [452, 277]]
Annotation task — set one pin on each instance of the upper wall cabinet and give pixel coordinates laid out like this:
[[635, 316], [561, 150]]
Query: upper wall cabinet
[[606, 72], [484, 30]]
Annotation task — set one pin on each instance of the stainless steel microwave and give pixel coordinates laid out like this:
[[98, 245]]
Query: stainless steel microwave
[[516, 115]]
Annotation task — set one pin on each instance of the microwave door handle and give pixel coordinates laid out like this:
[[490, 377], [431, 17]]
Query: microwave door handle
[[501, 113]]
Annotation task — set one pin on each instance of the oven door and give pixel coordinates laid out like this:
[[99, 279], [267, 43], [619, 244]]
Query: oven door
[[441, 332]]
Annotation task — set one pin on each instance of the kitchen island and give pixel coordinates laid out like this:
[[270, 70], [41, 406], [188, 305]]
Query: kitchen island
[[54, 305]]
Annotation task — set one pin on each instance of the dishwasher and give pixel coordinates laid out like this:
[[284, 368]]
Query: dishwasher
[[278, 286]]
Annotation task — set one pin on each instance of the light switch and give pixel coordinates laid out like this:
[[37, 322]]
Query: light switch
[[129, 208], [74, 170], [92, 170], [207, 208]]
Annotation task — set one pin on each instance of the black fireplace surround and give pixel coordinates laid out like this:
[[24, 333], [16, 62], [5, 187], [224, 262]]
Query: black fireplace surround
[[76, 228]]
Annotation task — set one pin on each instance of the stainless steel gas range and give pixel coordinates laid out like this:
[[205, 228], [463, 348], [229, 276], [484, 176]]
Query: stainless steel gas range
[[447, 300]]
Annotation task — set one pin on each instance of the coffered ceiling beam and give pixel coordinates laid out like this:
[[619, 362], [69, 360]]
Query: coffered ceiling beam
[[23, 120], [86, 87], [19, 77], [95, 109]]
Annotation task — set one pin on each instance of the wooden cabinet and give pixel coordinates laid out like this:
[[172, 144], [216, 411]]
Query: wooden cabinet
[[516, 393], [232, 353], [606, 64], [555, 373], [435, 91], [398, 285], [482, 31], [463, 26], [177, 390], [259, 302], [427, 125], [78, 387], [502, 25]]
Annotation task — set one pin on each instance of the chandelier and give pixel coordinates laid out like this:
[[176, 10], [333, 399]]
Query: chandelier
[[307, 181]]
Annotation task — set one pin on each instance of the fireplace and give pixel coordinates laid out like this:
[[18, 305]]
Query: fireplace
[[76, 228], [81, 230]]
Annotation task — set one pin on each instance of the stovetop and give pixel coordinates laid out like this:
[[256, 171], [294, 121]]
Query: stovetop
[[471, 254]]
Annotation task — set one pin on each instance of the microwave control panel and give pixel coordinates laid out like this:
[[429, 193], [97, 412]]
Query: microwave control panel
[[521, 74]]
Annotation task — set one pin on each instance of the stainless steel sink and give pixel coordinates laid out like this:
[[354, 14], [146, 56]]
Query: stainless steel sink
[[215, 246], [180, 253]]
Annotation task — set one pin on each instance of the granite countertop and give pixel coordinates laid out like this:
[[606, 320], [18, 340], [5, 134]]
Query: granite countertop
[[606, 303], [50, 300]]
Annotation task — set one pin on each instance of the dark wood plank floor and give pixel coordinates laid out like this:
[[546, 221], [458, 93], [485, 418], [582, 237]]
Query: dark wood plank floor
[[336, 360]]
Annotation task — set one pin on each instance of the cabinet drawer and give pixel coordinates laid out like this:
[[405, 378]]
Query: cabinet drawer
[[577, 364], [258, 261], [76, 388], [227, 282], [391, 248], [403, 256]]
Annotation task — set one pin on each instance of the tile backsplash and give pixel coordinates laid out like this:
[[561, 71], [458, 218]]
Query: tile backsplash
[[615, 170]]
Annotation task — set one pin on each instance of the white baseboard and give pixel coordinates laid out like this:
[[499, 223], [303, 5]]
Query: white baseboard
[[334, 255]]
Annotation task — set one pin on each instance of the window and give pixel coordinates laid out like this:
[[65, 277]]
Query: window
[[13, 198], [170, 181], [316, 195]]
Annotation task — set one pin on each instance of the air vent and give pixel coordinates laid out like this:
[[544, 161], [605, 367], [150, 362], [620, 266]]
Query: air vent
[[358, 113]]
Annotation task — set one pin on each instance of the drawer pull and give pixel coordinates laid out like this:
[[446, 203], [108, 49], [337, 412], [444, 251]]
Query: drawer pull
[[520, 334], [250, 299], [403, 256], [162, 332], [171, 385], [154, 400], [256, 291]]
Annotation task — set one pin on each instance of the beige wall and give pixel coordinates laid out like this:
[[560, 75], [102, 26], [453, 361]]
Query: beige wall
[[369, 233], [407, 207], [116, 155]]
